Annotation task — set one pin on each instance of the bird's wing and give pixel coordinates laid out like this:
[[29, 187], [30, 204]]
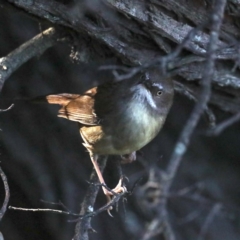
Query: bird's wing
[[75, 107], [90, 107]]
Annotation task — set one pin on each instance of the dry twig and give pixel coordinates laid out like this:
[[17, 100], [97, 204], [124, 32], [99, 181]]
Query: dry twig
[[35, 46], [7, 194]]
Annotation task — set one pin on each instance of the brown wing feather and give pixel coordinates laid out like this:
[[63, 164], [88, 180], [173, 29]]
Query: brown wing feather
[[90, 107], [75, 107]]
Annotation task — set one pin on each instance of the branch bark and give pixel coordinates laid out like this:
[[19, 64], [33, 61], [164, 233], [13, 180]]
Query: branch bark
[[147, 38], [83, 226]]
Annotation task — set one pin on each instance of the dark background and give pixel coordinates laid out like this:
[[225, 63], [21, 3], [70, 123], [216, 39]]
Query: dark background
[[44, 159]]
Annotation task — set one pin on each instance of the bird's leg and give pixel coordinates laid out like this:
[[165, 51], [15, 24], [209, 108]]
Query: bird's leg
[[118, 189]]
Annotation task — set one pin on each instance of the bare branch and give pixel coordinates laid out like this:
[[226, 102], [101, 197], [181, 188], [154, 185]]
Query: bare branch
[[154, 228], [84, 225], [90, 213], [35, 46], [104, 208], [43, 210], [182, 89], [214, 211], [222, 126], [184, 139], [7, 194], [168, 230]]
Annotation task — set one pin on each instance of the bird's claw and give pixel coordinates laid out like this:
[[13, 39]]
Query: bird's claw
[[120, 188]]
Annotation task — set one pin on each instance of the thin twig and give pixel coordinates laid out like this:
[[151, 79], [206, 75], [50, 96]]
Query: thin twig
[[84, 218], [114, 200], [214, 211], [165, 63], [187, 190], [168, 230], [7, 109], [222, 126], [35, 46], [154, 228], [43, 210], [7, 194], [59, 203], [183, 90], [190, 217]]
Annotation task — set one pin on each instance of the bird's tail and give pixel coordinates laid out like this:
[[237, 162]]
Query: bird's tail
[[62, 99]]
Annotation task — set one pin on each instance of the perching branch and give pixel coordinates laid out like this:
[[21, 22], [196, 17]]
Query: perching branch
[[84, 225]]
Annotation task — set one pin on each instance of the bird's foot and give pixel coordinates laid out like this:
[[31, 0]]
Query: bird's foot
[[120, 188]]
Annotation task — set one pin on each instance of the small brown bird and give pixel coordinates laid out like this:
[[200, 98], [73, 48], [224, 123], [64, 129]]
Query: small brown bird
[[118, 118]]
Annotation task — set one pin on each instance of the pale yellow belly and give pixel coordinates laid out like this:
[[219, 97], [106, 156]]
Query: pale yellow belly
[[125, 136]]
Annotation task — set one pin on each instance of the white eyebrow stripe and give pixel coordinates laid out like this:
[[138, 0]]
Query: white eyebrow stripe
[[158, 85]]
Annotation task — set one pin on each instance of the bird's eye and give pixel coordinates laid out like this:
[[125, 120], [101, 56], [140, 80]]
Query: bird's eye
[[159, 93]]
